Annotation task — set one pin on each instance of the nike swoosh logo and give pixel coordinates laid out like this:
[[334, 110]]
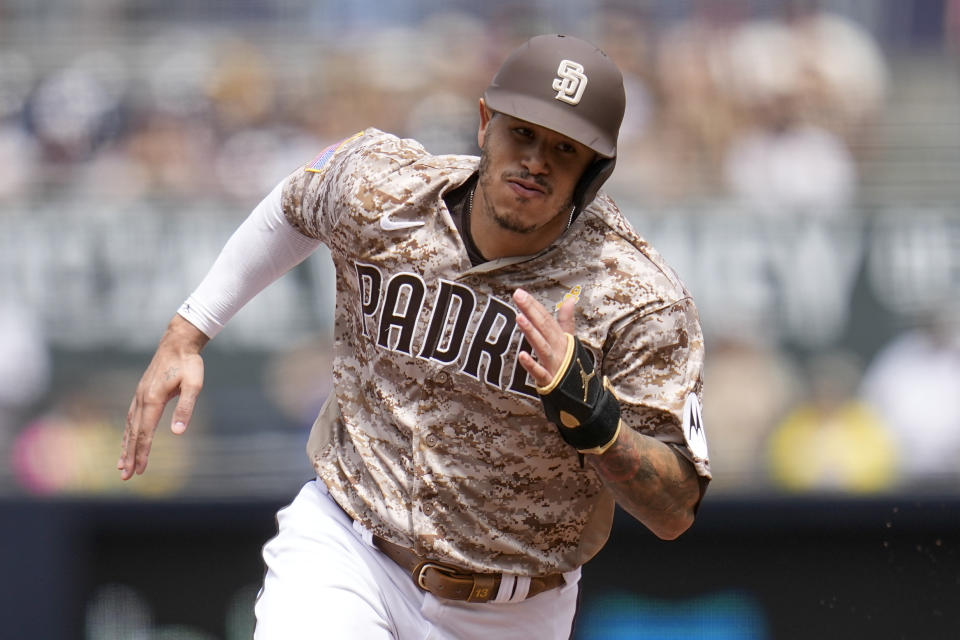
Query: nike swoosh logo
[[393, 225]]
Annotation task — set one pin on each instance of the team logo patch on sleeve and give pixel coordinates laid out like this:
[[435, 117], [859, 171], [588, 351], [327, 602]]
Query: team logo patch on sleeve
[[316, 165], [693, 432], [573, 293]]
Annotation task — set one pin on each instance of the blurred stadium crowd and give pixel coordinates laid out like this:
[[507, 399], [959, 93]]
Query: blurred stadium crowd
[[795, 161], [721, 103]]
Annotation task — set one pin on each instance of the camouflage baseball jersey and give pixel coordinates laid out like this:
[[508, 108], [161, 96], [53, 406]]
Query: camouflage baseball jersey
[[435, 437]]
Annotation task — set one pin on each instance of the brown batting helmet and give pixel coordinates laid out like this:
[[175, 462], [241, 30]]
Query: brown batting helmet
[[570, 86]]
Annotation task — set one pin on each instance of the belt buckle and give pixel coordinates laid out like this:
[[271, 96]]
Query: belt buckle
[[423, 566]]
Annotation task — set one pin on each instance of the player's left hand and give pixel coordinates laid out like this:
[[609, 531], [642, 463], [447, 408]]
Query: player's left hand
[[546, 334]]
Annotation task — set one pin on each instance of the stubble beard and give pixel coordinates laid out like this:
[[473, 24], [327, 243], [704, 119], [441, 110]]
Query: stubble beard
[[503, 220]]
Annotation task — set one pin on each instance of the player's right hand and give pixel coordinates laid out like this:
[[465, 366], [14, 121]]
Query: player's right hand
[[175, 370]]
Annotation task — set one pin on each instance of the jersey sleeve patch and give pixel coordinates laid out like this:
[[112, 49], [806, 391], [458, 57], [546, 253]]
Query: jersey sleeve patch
[[573, 293], [693, 432], [316, 165]]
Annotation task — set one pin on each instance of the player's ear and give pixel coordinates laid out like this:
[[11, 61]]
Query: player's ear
[[486, 115]]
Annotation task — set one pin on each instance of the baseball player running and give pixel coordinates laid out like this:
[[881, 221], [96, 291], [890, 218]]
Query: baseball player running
[[511, 360]]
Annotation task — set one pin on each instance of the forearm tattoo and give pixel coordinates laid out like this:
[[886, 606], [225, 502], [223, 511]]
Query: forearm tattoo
[[644, 473], [626, 461]]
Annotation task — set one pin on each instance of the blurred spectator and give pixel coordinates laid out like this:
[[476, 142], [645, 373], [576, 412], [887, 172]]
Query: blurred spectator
[[747, 387], [297, 381], [843, 74], [181, 65], [453, 44], [68, 449], [694, 119], [832, 441], [352, 94], [79, 107], [913, 383], [24, 367], [443, 114], [19, 153], [804, 88], [16, 82], [783, 166], [160, 158], [20, 159], [444, 123], [628, 36], [241, 86], [252, 161], [791, 157]]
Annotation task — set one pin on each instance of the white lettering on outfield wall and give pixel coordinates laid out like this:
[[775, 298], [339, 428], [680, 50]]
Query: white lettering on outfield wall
[[116, 281]]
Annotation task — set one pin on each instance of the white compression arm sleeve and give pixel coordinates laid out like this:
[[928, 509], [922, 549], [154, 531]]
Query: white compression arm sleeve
[[263, 248]]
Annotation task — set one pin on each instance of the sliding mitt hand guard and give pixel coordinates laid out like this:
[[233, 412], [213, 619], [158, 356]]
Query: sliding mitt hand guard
[[582, 405]]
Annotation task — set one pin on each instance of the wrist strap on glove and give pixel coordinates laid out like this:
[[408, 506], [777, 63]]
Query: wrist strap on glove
[[582, 406]]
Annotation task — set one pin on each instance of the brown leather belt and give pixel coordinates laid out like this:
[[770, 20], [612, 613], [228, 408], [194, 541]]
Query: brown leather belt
[[448, 581]]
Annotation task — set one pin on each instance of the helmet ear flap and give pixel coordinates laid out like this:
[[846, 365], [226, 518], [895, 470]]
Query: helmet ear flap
[[590, 183]]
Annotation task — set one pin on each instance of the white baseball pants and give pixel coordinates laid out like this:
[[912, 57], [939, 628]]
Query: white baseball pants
[[325, 580]]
